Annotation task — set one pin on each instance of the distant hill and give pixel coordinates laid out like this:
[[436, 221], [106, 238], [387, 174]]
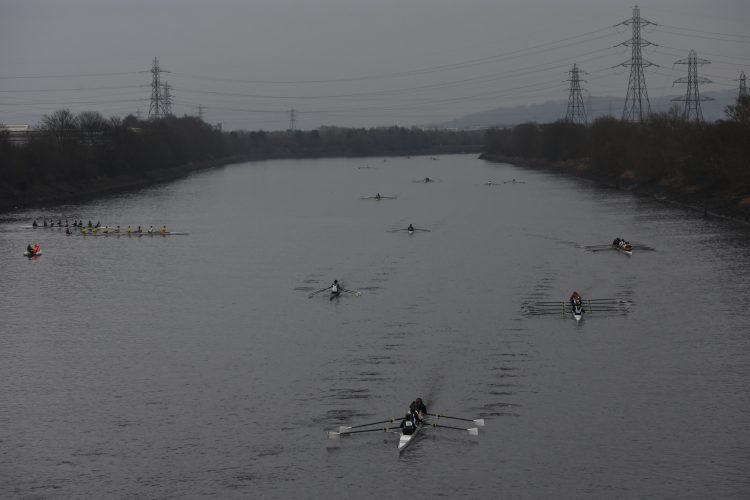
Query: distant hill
[[551, 111]]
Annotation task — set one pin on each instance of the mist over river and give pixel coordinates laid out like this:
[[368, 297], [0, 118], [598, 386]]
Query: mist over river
[[190, 366]]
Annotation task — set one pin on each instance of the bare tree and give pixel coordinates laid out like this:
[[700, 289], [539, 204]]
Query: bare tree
[[92, 125], [60, 123]]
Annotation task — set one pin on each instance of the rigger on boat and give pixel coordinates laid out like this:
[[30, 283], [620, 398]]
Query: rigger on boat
[[410, 425]]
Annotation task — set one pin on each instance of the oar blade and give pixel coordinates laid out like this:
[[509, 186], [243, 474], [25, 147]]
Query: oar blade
[[344, 428], [479, 422], [333, 435], [473, 431]]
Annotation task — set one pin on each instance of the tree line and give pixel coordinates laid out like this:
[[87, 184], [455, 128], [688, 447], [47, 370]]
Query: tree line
[[68, 148], [664, 151]]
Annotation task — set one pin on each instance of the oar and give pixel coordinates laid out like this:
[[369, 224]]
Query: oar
[[344, 428], [472, 430], [335, 435], [358, 294], [477, 421], [312, 294]]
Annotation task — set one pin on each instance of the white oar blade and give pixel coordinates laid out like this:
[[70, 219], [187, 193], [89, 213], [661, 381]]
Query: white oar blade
[[479, 422], [473, 431], [344, 428], [358, 294], [333, 435]]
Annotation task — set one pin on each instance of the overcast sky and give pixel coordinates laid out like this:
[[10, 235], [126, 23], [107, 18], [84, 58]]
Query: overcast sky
[[347, 62]]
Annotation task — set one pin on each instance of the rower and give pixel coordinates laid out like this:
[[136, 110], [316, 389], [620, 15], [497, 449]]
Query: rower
[[576, 302], [377, 196], [90, 223], [29, 249], [44, 221], [151, 230], [117, 229], [34, 224], [98, 224], [36, 248], [410, 228], [163, 230], [335, 289], [408, 426], [67, 231], [421, 408], [139, 230], [427, 179]]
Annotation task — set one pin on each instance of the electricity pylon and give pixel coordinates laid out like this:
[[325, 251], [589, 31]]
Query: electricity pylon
[[692, 97], [167, 100], [292, 119], [637, 106], [576, 112], [156, 108], [743, 86]]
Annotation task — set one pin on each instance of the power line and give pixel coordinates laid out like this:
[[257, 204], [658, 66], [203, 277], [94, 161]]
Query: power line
[[78, 75]]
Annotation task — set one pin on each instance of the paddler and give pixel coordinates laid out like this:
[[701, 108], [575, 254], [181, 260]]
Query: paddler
[[29, 249], [36, 248]]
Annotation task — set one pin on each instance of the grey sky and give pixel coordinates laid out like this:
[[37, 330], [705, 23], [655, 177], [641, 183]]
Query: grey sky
[[346, 62]]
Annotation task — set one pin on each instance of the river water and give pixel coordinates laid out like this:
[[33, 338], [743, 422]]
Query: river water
[[196, 365]]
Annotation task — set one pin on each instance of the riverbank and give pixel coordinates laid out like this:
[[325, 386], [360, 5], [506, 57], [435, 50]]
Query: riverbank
[[60, 192], [709, 201]]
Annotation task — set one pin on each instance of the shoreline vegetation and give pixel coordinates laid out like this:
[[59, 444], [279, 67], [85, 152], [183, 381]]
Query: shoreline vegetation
[[71, 157], [705, 167]]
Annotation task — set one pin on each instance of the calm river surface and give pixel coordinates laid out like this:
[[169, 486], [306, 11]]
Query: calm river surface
[[196, 365]]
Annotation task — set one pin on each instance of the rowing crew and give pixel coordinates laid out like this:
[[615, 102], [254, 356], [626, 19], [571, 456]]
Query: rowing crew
[[576, 305], [59, 223], [621, 243], [415, 417], [117, 230], [335, 288]]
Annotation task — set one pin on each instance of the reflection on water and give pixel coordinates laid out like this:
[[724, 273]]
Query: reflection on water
[[163, 367]]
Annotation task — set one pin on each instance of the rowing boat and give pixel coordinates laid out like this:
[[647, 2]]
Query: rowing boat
[[405, 439], [627, 248]]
